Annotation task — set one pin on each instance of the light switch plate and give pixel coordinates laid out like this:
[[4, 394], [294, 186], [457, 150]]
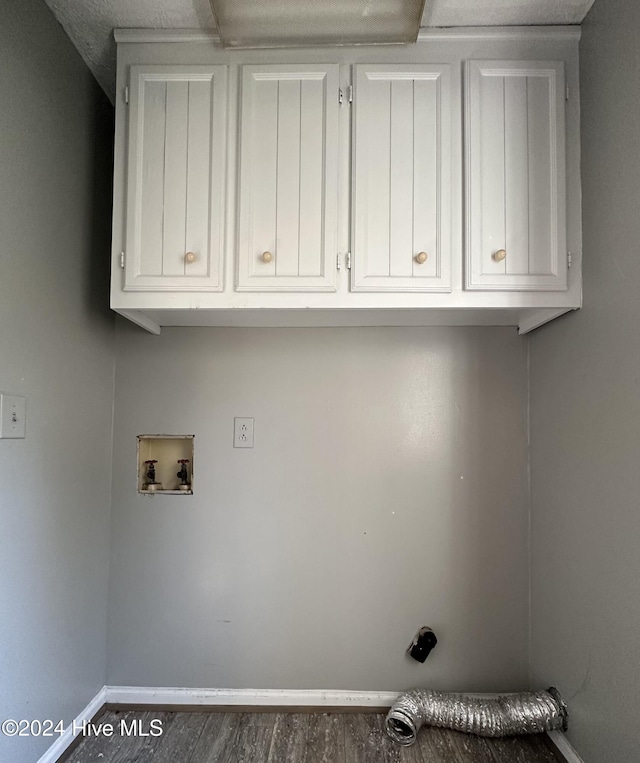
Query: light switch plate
[[13, 417], [242, 432]]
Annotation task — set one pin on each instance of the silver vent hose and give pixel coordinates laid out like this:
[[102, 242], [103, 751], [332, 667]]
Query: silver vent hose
[[493, 716]]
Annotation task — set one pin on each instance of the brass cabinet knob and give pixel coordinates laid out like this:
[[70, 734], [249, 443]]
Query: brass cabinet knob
[[499, 255], [266, 257], [421, 258], [190, 257]]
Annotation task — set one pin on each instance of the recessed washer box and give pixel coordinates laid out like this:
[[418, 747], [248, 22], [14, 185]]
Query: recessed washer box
[[161, 458]]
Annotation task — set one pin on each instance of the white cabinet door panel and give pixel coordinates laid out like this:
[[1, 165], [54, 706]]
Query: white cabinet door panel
[[176, 178], [288, 178], [515, 176], [402, 178]]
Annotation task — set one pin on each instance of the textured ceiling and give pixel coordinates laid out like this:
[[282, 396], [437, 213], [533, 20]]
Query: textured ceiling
[[90, 23]]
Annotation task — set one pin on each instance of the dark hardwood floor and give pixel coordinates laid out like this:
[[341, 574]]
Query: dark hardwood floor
[[221, 737]]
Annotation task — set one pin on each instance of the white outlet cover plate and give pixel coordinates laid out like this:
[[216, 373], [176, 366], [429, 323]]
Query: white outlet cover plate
[[242, 432], [13, 417]]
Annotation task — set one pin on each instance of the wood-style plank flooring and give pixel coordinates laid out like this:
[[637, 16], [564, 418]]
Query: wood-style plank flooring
[[220, 737]]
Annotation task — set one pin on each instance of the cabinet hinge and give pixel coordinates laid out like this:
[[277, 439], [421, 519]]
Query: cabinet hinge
[[340, 96], [350, 93], [338, 263], [566, 97], [569, 259], [126, 95], [348, 260], [122, 259]]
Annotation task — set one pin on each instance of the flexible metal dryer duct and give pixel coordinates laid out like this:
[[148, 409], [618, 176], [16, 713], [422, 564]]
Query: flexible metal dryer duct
[[497, 716]]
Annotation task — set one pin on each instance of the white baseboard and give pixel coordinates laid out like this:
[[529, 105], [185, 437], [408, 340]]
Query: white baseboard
[[64, 740], [151, 695], [146, 695], [564, 747]]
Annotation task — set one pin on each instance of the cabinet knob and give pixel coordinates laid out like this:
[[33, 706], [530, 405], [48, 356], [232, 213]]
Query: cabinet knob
[[421, 257], [266, 256], [190, 257], [499, 255]]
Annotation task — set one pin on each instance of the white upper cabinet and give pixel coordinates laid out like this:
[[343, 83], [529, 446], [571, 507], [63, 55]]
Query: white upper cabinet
[[348, 186], [288, 218], [176, 178], [515, 176], [402, 178]]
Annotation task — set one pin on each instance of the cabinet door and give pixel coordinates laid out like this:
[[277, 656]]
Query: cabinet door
[[402, 179], [515, 179], [288, 178], [176, 178]]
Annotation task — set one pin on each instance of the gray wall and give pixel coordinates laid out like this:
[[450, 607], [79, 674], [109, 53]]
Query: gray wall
[[585, 421], [387, 490], [56, 348]]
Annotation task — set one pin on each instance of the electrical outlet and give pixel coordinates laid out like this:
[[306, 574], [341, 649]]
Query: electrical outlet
[[13, 416], [242, 432]]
